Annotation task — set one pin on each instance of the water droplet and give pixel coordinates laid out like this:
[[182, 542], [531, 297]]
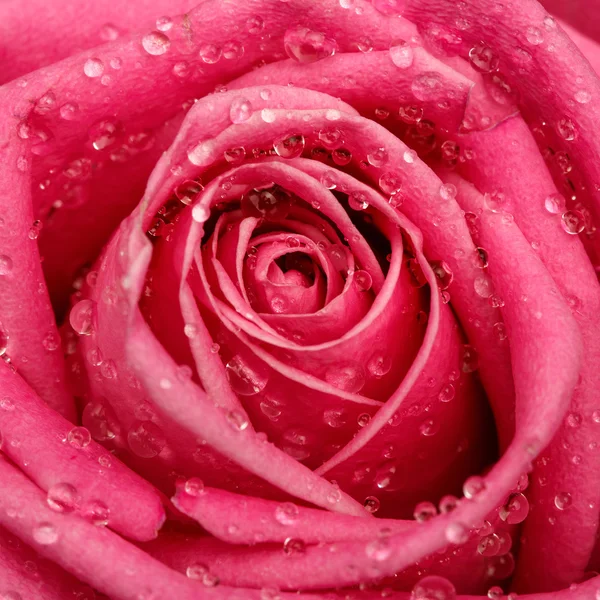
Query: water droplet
[[534, 36], [341, 157], [240, 110], [433, 587], [358, 201], [194, 487], [426, 86], [566, 129], [164, 23], [292, 546], [287, 513], [447, 393], [443, 274], [334, 495], [108, 369], [307, 46], [574, 420], [495, 592], [515, 510], [349, 377], [6, 264], [379, 365], [363, 280], [268, 115], [146, 439], [96, 512], [563, 500], [7, 404], [390, 7], [483, 286], [156, 43], [79, 437], [3, 342], [379, 550], [82, 317], [272, 203], [289, 146], [196, 570], [595, 415], [473, 486], [255, 24], [457, 533], [378, 157], [429, 427], [390, 183], [555, 204], [238, 420], [210, 53], [363, 419], [448, 191], [372, 504], [583, 96], [448, 503], [45, 534], [233, 50], [402, 54], [573, 222], [424, 511], [104, 133], [62, 497], [93, 67], [489, 545]]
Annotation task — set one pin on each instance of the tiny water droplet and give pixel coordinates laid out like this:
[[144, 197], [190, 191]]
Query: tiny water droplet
[[156, 43], [93, 67]]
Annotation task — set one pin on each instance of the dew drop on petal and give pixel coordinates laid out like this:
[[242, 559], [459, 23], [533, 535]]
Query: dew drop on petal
[[96, 512], [483, 58], [240, 110], [583, 96], [433, 587], [573, 222], [424, 511], [555, 204], [210, 53], [93, 67], [349, 377], [379, 365], [363, 280], [3, 341], [194, 487], [515, 510], [563, 500], [372, 504], [402, 54], [79, 437], [293, 546], [45, 534], [146, 439], [6, 264], [62, 497], [473, 486], [164, 23], [306, 46], [156, 43], [289, 146], [358, 201], [379, 549], [378, 157], [287, 513], [82, 317], [457, 533]]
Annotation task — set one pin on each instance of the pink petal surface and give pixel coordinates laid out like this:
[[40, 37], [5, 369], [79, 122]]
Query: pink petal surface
[[564, 256], [52, 452]]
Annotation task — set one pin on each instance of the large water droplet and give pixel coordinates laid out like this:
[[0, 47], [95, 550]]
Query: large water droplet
[[146, 439], [79, 437], [573, 222], [433, 587], [402, 54], [6, 264], [349, 377], [424, 511], [483, 58], [156, 43], [62, 497], [563, 500], [287, 513], [307, 46], [473, 486], [93, 67], [45, 534], [240, 110], [210, 53], [272, 203], [82, 317], [289, 146], [96, 512], [515, 510]]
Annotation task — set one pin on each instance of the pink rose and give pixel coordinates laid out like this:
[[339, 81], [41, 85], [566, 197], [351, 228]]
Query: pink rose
[[298, 299]]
